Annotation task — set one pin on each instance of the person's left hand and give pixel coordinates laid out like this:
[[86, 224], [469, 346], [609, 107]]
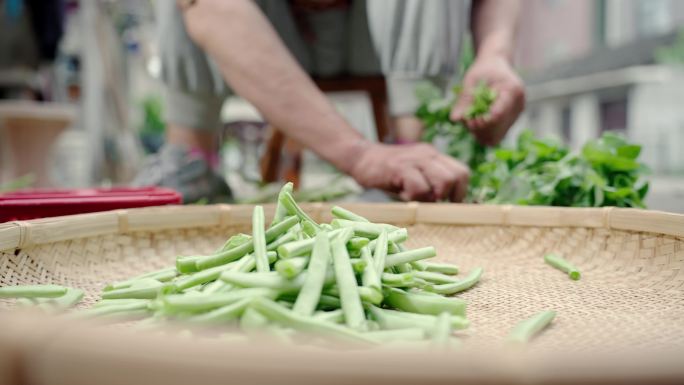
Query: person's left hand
[[498, 74]]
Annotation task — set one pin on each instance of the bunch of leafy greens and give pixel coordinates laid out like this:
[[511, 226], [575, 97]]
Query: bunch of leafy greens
[[535, 171]]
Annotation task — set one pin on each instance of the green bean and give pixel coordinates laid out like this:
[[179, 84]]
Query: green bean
[[132, 308], [288, 318], [392, 319], [142, 289], [424, 303], [119, 302], [310, 293], [234, 241], [334, 316], [410, 256], [341, 213], [287, 201], [396, 236], [356, 243], [208, 261], [461, 285], [435, 267], [281, 210], [441, 333], [328, 302], [358, 264], [215, 287], [563, 265], [162, 275], [69, 299], [303, 247], [309, 229], [364, 229], [252, 320], [346, 283], [408, 334], [403, 268], [204, 276], [259, 239], [188, 264], [434, 277], [370, 276], [397, 280], [179, 303], [370, 295], [269, 280], [291, 267], [525, 330], [280, 228], [380, 255], [285, 238], [32, 291]]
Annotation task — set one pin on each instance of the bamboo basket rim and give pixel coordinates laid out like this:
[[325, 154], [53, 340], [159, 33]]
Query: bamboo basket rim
[[20, 234]]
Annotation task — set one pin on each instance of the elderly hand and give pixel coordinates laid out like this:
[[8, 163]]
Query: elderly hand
[[498, 74], [415, 172]]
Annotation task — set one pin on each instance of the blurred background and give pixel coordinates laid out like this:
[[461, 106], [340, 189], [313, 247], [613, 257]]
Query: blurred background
[[80, 104]]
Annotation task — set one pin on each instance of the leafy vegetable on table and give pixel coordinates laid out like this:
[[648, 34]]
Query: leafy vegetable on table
[[533, 171]]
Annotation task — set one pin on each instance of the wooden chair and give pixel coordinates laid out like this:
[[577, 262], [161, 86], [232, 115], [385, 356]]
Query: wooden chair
[[271, 168]]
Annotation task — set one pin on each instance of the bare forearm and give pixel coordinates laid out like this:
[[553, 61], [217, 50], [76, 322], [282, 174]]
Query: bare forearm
[[494, 24], [259, 68]]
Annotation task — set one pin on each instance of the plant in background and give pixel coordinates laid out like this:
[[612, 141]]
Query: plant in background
[[535, 171]]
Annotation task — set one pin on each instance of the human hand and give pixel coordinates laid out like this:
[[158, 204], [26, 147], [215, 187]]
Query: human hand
[[498, 74], [415, 172]]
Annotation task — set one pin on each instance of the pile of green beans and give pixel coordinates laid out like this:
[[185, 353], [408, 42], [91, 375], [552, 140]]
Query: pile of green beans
[[350, 279]]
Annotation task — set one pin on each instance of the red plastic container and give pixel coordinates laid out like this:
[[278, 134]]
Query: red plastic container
[[42, 203]]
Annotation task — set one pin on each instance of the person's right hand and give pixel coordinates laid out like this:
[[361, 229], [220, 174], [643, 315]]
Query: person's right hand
[[415, 172]]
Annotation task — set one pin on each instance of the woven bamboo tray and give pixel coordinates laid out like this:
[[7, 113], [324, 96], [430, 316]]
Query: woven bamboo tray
[[630, 299]]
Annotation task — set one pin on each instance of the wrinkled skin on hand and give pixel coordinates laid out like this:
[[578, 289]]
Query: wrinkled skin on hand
[[414, 172]]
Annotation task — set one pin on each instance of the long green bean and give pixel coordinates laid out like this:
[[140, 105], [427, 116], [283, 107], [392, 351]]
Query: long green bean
[[234, 241], [162, 275], [563, 265], [356, 243], [303, 247], [435, 267], [269, 280], [424, 303], [396, 236], [341, 213], [410, 256], [32, 291], [441, 333], [133, 308], [437, 278], [392, 319], [364, 229], [259, 239], [188, 264], [291, 267], [280, 228], [208, 261], [281, 210], [143, 289], [285, 238], [334, 316], [69, 299], [178, 303], [370, 295], [346, 283], [397, 280], [288, 318], [287, 201], [461, 285], [380, 255], [525, 330], [370, 277], [310, 293]]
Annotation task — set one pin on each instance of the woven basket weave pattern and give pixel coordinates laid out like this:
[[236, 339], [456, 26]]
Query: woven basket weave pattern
[[631, 293]]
